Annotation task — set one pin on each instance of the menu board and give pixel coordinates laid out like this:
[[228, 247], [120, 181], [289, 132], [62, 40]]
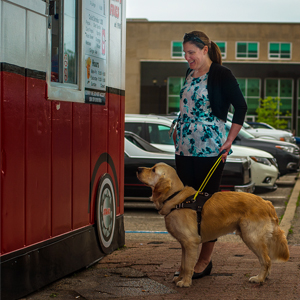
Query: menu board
[[95, 51], [116, 59]]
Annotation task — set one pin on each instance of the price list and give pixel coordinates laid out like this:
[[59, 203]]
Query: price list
[[95, 51]]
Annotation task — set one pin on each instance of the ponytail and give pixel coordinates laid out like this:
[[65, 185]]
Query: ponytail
[[215, 53]]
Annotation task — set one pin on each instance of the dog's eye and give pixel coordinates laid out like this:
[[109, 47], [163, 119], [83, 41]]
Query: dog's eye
[[153, 170]]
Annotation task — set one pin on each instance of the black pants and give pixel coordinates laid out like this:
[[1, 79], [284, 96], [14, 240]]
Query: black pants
[[193, 170]]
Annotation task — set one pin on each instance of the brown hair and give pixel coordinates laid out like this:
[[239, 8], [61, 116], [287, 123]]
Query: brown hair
[[200, 39]]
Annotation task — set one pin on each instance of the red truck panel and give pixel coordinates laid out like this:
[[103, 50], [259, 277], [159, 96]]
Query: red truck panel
[[13, 161], [61, 167], [38, 163], [81, 163]]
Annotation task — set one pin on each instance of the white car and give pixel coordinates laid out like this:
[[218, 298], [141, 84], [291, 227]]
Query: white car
[[270, 133], [155, 130], [263, 166]]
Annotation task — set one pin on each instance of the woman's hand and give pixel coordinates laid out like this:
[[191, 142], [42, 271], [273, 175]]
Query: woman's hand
[[233, 132], [226, 146]]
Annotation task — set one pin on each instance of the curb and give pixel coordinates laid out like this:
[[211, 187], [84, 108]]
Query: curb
[[289, 213]]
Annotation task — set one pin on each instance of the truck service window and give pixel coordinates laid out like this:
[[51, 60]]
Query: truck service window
[[64, 51]]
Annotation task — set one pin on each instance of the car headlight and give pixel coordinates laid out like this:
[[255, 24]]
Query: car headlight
[[261, 160], [286, 148]]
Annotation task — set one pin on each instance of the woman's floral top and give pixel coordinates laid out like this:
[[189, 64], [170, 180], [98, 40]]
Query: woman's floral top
[[199, 132]]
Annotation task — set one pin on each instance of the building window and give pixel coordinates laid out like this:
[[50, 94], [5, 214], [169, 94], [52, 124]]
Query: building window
[[282, 89], [250, 88], [174, 86], [222, 46], [280, 50], [247, 50], [64, 43], [177, 50]]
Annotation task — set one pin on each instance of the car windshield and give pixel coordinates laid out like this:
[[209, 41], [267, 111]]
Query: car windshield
[[141, 143], [262, 125], [243, 132]]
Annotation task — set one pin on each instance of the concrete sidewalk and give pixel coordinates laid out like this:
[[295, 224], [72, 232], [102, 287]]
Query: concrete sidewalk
[[144, 270]]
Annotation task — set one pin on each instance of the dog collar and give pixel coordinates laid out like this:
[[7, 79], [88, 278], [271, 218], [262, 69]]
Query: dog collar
[[172, 196]]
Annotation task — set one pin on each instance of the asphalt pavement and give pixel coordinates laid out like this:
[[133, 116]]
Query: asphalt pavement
[[144, 269]]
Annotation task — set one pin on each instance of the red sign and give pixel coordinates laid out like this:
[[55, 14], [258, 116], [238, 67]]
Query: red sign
[[114, 11], [106, 211]]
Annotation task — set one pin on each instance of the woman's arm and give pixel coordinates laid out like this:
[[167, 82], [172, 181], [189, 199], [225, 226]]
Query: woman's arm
[[233, 132], [174, 136]]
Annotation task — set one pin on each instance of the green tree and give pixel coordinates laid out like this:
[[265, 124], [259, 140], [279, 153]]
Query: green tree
[[269, 113]]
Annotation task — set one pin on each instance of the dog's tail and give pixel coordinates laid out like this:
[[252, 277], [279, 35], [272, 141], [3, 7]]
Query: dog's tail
[[279, 249]]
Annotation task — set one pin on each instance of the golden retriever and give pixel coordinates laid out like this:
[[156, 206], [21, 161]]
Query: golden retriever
[[248, 215]]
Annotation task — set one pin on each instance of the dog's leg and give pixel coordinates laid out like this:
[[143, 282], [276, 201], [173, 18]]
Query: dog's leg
[[178, 278], [265, 263], [188, 261], [258, 246]]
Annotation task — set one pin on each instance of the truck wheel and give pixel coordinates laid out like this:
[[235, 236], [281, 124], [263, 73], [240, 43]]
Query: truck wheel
[[106, 213]]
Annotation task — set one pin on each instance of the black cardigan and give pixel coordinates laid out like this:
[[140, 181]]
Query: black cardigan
[[224, 90]]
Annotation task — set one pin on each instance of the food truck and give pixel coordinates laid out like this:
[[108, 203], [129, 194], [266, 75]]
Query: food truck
[[62, 138]]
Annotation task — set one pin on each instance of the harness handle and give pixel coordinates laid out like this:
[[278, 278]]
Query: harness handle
[[211, 171]]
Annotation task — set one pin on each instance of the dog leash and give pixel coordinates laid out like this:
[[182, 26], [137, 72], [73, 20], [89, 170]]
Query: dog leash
[[208, 176]]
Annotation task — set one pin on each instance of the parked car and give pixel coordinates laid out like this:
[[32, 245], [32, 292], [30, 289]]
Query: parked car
[[267, 126], [139, 153], [155, 130], [264, 168], [267, 133], [297, 138], [286, 154]]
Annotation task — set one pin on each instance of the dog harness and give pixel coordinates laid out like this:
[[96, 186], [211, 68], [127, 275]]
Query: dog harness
[[194, 202]]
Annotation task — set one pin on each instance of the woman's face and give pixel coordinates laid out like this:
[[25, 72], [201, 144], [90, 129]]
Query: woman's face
[[195, 56]]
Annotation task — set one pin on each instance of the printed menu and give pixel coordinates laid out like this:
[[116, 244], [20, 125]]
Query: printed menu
[[95, 51]]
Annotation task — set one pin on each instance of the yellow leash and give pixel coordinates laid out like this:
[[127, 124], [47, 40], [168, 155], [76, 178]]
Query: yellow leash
[[208, 176]]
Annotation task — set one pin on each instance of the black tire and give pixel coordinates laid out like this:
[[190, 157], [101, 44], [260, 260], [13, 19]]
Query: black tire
[[106, 213]]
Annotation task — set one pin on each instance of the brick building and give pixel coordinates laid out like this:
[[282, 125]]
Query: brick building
[[264, 57]]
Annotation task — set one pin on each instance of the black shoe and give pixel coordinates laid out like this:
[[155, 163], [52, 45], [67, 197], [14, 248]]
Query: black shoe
[[176, 274], [206, 272]]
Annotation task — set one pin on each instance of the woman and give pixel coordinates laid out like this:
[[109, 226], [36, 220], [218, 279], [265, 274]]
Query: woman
[[205, 98]]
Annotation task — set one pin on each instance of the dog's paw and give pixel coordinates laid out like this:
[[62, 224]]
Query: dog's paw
[[255, 279], [184, 283]]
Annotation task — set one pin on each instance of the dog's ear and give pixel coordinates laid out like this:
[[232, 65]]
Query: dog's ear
[[161, 188]]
